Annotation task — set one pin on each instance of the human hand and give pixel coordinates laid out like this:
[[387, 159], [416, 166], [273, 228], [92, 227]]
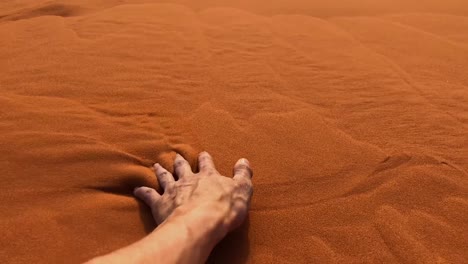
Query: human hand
[[202, 193], [193, 214]]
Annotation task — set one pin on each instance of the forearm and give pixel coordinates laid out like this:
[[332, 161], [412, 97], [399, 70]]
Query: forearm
[[185, 237]]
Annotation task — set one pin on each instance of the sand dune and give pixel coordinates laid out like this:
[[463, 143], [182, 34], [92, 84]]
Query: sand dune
[[354, 116]]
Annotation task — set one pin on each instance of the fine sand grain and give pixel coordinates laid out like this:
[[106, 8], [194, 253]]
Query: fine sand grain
[[354, 115]]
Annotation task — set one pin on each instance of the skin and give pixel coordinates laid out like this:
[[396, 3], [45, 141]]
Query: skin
[[193, 214]]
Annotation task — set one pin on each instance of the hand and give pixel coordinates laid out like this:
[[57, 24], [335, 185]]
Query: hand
[[205, 192], [193, 214]]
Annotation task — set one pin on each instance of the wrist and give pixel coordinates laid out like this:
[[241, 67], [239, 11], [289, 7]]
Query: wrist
[[205, 222]]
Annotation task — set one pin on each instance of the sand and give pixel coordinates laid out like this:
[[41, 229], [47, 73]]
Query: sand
[[354, 116]]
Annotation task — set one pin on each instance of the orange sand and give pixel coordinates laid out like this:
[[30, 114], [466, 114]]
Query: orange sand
[[354, 115]]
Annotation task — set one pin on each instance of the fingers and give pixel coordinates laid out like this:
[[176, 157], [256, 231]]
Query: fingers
[[181, 166], [243, 177], [242, 170], [205, 162], [164, 177], [148, 195]]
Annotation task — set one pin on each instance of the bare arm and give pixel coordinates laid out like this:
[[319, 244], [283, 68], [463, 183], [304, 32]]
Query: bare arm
[[193, 214]]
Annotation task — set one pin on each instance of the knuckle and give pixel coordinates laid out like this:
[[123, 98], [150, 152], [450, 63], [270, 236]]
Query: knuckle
[[239, 205], [245, 184], [205, 158], [243, 170], [210, 171], [171, 186], [180, 163], [206, 163], [242, 167], [170, 189]]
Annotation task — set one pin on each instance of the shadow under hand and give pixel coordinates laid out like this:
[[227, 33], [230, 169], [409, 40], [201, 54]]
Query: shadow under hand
[[234, 248], [146, 217]]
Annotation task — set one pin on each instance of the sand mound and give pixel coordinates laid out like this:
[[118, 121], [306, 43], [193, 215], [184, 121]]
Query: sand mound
[[354, 116], [48, 9]]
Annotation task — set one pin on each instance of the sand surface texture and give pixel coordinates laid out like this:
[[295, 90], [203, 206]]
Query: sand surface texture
[[354, 115]]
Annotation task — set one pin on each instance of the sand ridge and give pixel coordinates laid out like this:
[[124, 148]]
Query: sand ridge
[[354, 117]]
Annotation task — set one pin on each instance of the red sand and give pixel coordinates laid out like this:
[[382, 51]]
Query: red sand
[[354, 116]]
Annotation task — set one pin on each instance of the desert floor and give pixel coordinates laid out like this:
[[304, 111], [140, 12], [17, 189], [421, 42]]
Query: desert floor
[[354, 115]]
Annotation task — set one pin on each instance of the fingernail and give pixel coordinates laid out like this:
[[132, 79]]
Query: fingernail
[[245, 161], [156, 165]]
